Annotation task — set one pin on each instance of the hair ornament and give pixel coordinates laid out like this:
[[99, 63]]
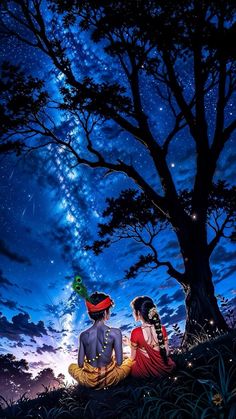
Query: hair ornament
[[152, 313]]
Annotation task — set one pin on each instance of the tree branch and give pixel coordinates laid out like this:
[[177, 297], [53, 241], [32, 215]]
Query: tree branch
[[219, 234]]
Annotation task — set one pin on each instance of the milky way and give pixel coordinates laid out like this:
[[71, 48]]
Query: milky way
[[50, 211]]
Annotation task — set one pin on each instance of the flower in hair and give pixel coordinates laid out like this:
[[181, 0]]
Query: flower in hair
[[152, 313]]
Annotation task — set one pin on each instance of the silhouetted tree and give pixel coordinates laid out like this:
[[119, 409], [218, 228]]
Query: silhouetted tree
[[150, 42], [16, 380], [46, 379], [14, 377]]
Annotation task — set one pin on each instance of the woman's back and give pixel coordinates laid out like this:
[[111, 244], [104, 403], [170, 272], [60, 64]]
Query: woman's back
[[149, 343], [148, 360], [150, 337]]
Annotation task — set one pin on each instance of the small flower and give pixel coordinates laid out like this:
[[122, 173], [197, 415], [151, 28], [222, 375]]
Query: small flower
[[217, 399], [152, 313]]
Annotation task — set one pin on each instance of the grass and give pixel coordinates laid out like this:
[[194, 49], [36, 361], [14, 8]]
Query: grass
[[202, 386]]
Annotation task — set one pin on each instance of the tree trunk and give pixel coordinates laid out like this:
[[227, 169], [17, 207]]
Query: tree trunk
[[203, 316]]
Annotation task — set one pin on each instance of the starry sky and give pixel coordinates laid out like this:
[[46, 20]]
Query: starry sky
[[49, 212]]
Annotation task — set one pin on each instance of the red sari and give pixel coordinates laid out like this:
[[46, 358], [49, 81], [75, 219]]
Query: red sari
[[153, 365]]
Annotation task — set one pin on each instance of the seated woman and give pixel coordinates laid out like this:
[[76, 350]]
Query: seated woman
[[149, 343], [97, 367]]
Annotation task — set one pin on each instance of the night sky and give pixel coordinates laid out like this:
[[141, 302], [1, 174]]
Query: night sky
[[49, 212]]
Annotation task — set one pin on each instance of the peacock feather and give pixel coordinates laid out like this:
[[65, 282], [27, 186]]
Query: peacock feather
[[80, 288]]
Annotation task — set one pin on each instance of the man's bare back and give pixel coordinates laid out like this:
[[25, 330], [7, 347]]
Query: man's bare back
[[92, 341]]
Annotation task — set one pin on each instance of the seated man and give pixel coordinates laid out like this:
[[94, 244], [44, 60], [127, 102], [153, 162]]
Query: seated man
[[97, 367]]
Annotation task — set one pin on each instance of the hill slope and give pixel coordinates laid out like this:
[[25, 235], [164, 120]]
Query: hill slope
[[203, 385]]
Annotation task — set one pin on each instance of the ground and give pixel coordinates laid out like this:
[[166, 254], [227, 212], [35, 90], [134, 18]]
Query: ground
[[203, 386]]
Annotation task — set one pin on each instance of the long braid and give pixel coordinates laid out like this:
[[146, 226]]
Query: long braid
[[158, 329]]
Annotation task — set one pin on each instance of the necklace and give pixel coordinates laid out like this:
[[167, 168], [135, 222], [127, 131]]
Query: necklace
[[103, 347]]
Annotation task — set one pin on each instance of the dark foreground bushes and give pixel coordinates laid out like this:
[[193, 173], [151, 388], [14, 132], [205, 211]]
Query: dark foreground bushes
[[203, 386]]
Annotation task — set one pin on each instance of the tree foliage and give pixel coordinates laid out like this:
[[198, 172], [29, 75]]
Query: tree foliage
[[132, 216], [16, 378], [184, 54]]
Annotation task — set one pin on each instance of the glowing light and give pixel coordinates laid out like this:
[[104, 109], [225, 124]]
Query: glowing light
[[64, 203], [172, 164], [72, 175], [194, 216], [52, 261], [70, 217], [211, 321]]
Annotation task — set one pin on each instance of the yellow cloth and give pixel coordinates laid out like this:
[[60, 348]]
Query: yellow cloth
[[100, 377]]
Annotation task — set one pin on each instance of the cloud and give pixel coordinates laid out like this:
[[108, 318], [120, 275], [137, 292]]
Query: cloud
[[171, 244], [168, 283], [19, 326], [166, 311], [221, 255], [228, 272], [131, 248], [12, 305], [27, 290], [179, 316], [28, 308], [51, 329], [37, 364], [4, 282], [178, 295], [46, 348], [15, 257], [166, 299], [125, 327], [18, 344]]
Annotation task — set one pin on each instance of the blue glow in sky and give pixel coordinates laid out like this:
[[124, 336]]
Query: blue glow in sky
[[49, 212]]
